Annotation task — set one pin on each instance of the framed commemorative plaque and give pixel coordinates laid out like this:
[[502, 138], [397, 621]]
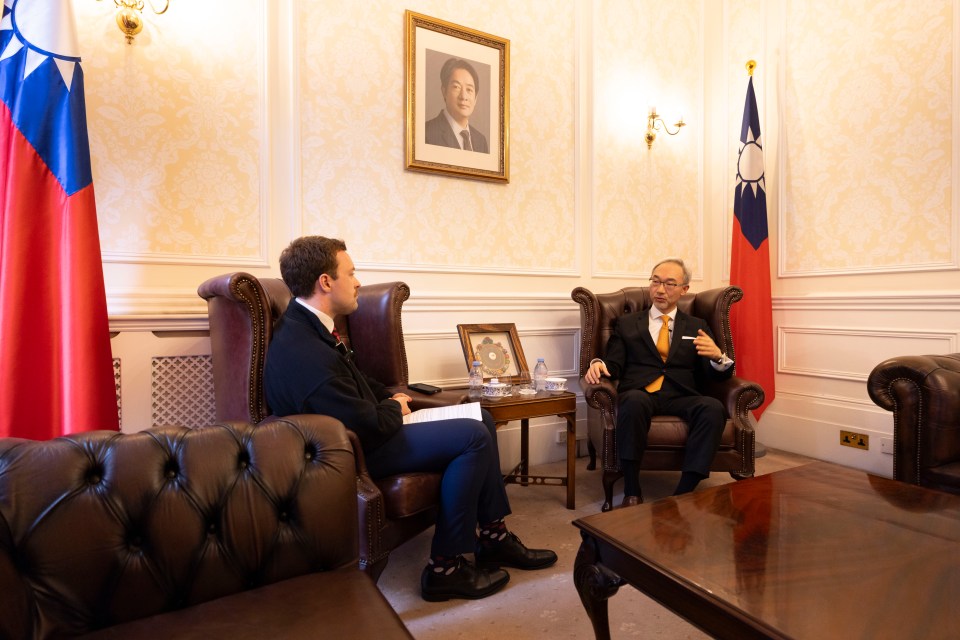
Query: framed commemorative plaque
[[496, 346]]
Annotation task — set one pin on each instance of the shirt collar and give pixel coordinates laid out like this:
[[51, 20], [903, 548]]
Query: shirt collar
[[655, 314], [326, 320], [454, 124]]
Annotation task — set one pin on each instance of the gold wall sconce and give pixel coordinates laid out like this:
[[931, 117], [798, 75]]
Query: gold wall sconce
[[130, 18], [654, 123]]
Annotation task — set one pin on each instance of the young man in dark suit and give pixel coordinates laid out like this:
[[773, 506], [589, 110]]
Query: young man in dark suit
[[659, 355], [308, 370]]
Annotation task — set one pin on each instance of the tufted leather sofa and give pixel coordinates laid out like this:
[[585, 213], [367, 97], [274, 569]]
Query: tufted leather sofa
[[923, 392], [599, 313], [226, 531]]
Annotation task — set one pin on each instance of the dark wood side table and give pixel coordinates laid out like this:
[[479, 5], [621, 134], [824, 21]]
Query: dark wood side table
[[522, 408]]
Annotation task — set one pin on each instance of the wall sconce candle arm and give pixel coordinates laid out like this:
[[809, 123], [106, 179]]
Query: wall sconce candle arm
[[656, 123]]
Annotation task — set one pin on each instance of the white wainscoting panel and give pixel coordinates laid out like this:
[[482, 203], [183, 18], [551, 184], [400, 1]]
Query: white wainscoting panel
[[827, 345], [850, 354]]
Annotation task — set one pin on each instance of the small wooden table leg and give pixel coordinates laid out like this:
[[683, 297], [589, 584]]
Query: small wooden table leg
[[571, 460], [524, 447]]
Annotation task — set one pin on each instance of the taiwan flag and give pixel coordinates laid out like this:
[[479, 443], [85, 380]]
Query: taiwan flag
[[751, 319], [56, 369]]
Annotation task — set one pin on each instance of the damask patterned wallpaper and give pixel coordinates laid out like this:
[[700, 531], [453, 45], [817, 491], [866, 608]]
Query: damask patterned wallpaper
[[175, 130], [231, 125], [352, 142], [648, 203], [870, 145]]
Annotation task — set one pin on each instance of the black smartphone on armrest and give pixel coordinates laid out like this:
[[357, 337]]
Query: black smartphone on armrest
[[428, 389]]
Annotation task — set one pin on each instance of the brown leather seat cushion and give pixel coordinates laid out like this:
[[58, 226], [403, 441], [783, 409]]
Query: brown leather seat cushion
[[670, 431]]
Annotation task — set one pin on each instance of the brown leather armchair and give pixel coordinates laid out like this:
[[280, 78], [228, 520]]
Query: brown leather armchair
[[923, 392], [243, 311], [668, 434]]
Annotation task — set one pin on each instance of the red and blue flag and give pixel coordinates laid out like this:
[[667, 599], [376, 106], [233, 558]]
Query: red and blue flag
[[56, 368], [751, 319]]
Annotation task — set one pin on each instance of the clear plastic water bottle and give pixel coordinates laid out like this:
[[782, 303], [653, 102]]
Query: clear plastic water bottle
[[540, 375], [476, 381]]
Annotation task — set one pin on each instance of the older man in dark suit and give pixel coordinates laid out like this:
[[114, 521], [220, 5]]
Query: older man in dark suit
[[460, 85], [659, 355]]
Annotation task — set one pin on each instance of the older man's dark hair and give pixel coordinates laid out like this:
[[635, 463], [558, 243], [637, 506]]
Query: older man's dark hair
[[457, 63], [306, 259]]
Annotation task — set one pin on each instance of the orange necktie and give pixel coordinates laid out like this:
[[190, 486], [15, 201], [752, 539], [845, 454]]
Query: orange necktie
[[663, 346]]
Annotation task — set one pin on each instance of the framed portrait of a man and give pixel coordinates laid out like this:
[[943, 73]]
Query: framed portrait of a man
[[456, 100]]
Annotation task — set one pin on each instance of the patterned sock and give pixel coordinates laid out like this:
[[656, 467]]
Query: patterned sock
[[443, 564], [493, 532]]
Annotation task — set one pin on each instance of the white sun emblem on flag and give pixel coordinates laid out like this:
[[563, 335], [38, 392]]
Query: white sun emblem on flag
[[46, 29], [750, 163]]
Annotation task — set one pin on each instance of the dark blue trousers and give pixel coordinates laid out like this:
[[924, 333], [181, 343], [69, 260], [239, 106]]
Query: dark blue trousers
[[471, 492], [704, 415]]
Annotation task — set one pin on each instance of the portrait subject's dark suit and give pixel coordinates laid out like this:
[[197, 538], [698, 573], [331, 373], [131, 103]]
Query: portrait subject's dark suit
[[306, 372], [633, 360], [438, 132]]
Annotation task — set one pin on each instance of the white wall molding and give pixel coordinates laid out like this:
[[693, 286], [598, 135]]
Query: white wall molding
[[455, 268], [468, 302], [235, 263], [829, 400], [158, 303], [893, 301], [951, 265], [851, 352], [157, 325]]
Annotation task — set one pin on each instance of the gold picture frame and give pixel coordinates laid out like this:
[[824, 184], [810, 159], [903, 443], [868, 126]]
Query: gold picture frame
[[496, 346], [431, 47]]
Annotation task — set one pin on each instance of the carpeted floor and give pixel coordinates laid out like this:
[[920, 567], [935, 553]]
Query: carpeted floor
[[545, 604]]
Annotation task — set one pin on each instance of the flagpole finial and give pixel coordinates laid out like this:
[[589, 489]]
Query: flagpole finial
[[751, 65]]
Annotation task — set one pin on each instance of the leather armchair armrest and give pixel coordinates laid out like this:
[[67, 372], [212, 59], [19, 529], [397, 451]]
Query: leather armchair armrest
[[371, 507], [738, 396], [921, 392], [882, 385], [601, 396]]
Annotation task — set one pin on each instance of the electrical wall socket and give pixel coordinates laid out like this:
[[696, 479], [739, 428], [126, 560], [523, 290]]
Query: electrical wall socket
[[886, 445], [853, 439], [561, 436]]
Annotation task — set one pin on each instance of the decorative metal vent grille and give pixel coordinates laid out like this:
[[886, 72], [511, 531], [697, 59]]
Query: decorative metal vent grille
[[182, 391]]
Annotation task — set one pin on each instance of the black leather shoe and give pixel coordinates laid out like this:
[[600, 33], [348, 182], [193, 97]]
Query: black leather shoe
[[630, 501], [466, 581], [510, 552]]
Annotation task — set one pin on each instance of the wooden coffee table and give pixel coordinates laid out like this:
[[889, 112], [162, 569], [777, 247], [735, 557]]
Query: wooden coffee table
[[522, 408], [817, 551]]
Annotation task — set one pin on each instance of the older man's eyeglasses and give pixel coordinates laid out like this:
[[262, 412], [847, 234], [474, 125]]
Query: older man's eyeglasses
[[669, 285]]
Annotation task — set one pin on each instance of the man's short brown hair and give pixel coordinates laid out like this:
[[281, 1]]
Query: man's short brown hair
[[306, 259]]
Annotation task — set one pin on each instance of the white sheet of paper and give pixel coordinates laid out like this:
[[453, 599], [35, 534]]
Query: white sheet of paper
[[449, 412]]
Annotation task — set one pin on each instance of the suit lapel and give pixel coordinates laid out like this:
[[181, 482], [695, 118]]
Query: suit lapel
[[643, 327], [679, 330]]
